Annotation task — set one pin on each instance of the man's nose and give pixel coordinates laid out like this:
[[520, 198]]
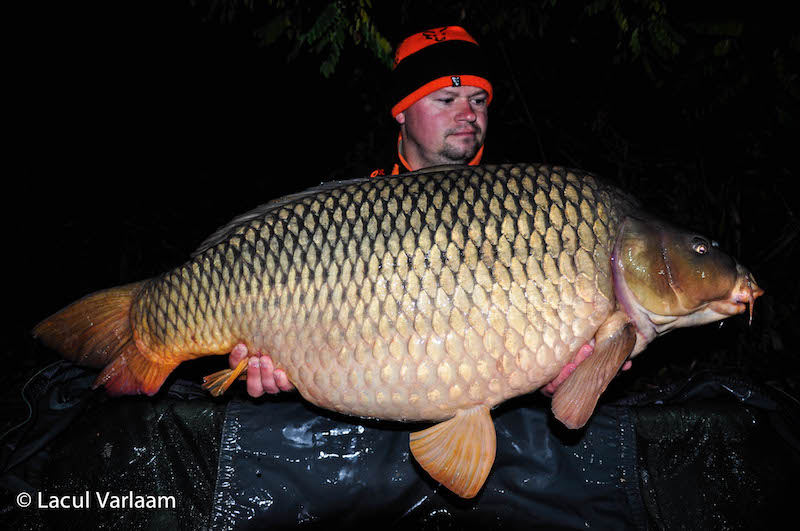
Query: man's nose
[[465, 112]]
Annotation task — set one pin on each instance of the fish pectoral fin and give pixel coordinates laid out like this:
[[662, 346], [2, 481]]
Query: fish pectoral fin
[[574, 401], [220, 381], [458, 453]]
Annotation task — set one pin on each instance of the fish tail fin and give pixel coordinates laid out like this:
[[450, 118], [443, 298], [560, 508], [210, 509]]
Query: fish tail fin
[[96, 331]]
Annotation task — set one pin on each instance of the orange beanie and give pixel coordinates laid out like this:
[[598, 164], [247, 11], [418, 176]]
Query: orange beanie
[[431, 60]]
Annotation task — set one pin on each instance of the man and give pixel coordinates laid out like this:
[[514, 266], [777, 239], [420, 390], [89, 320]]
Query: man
[[441, 94]]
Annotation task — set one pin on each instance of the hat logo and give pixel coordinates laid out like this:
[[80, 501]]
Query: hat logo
[[437, 34], [456, 80]]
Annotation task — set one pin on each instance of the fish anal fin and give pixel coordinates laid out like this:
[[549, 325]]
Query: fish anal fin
[[132, 372], [575, 399], [458, 453]]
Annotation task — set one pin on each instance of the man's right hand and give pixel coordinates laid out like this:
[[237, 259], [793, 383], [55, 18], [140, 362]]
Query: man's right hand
[[262, 377]]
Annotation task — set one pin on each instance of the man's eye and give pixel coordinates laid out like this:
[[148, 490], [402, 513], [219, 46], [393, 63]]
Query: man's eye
[[479, 101], [446, 100]]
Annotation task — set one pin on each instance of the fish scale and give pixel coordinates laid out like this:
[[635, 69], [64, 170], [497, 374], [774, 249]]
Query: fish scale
[[402, 297]]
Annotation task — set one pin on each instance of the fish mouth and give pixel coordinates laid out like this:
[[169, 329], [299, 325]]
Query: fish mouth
[[742, 297]]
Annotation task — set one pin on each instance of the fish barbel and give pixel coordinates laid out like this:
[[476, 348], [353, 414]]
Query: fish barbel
[[430, 296]]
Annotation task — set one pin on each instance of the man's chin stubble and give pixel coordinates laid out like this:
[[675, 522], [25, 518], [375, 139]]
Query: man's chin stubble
[[458, 156]]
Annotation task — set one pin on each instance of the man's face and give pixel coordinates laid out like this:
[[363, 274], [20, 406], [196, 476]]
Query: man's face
[[445, 127]]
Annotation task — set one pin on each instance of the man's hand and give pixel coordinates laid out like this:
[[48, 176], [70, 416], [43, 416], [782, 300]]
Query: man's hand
[[262, 377], [584, 352]]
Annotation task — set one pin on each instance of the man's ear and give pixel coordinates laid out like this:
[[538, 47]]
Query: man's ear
[[401, 118]]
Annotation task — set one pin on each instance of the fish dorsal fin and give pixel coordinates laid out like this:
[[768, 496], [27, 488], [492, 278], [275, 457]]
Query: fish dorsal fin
[[222, 233], [458, 453], [574, 400]]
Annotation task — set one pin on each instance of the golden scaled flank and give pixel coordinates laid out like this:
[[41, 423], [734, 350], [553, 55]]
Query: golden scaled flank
[[380, 305]]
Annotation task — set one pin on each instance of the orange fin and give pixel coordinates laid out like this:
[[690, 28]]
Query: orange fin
[[95, 331], [574, 401], [458, 453], [132, 373], [220, 381]]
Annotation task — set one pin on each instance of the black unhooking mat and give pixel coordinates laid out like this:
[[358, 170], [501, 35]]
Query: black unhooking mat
[[707, 453]]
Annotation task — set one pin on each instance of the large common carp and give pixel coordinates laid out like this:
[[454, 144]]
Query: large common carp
[[430, 296]]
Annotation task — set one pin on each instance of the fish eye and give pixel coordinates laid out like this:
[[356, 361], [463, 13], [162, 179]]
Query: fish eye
[[700, 246]]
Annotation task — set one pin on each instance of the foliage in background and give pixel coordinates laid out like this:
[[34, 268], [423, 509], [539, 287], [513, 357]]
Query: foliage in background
[[705, 56], [325, 27]]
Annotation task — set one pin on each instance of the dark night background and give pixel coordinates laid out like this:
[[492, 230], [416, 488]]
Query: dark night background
[[140, 127]]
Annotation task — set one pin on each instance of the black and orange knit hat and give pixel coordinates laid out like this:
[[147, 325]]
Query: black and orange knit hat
[[431, 60]]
